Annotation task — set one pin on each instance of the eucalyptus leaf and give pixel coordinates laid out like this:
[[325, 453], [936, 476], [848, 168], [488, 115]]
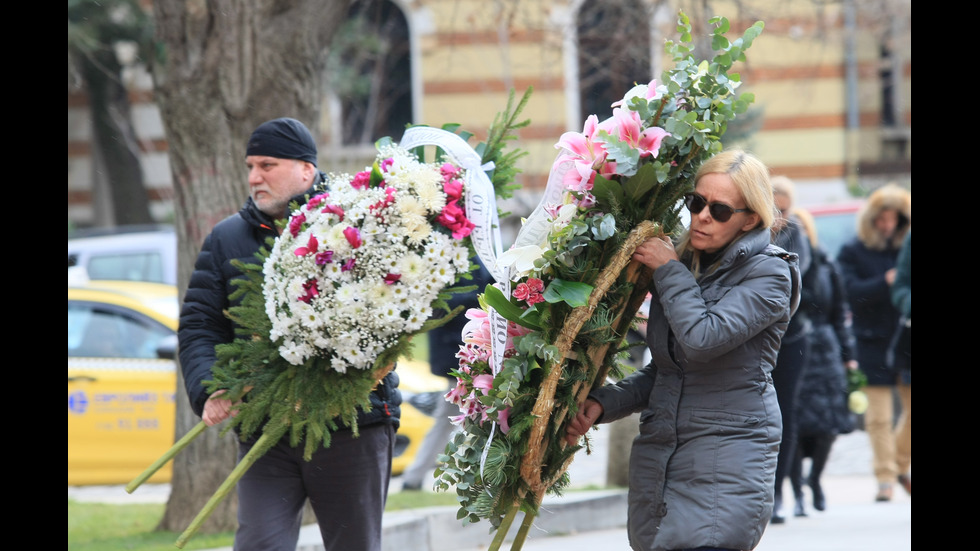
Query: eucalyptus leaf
[[604, 227]]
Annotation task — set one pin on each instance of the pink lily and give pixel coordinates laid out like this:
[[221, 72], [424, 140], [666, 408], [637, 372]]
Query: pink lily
[[585, 152], [483, 382], [457, 393], [647, 91], [503, 420], [629, 128]]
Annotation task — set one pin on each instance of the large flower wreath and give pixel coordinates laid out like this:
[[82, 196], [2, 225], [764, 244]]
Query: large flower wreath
[[532, 353], [359, 269]]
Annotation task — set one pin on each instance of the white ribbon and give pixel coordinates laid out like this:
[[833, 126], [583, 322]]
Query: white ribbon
[[481, 209], [538, 224]]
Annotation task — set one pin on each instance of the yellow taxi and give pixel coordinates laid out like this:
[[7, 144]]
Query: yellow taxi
[[419, 388], [121, 394], [121, 407]]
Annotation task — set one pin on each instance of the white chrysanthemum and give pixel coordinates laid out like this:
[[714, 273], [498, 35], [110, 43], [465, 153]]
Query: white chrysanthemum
[[335, 240], [379, 295], [417, 230], [409, 205], [417, 318], [412, 267], [305, 314], [431, 196], [295, 353], [347, 294]]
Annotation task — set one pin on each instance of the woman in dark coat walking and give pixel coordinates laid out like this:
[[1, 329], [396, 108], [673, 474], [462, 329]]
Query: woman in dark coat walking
[[868, 266], [791, 364], [821, 408]]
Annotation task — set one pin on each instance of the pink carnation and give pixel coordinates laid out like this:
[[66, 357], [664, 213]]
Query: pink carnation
[[336, 209], [315, 201], [453, 189], [296, 224], [361, 180], [453, 218]]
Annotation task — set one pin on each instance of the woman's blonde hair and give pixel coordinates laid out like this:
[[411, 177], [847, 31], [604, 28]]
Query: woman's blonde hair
[[751, 178], [782, 185]]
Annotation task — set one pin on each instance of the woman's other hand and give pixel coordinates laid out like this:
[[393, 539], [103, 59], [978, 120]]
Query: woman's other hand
[[587, 414]]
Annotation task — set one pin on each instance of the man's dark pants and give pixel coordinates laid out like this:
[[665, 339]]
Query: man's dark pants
[[347, 485]]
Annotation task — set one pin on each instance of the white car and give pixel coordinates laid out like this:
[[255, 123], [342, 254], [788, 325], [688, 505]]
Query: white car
[[137, 253]]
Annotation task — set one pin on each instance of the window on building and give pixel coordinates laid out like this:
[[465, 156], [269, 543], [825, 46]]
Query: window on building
[[369, 75], [613, 52]]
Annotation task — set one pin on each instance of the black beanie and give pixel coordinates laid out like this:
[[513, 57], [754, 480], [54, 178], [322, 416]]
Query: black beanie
[[283, 138]]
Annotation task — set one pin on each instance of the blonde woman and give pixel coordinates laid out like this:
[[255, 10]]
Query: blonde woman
[[703, 465]]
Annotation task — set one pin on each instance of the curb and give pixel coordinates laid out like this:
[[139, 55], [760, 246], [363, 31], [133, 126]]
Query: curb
[[438, 529]]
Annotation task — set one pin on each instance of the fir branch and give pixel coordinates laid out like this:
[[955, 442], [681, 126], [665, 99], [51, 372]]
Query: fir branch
[[502, 130]]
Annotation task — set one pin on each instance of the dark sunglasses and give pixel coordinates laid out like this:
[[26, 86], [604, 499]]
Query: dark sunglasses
[[719, 211]]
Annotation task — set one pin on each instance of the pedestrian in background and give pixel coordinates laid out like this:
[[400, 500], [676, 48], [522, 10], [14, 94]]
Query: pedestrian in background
[[902, 355], [821, 408], [791, 364], [702, 468], [444, 342], [867, 263]]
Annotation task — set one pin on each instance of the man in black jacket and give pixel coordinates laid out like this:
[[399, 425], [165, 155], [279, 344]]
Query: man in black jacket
[[347, 483]]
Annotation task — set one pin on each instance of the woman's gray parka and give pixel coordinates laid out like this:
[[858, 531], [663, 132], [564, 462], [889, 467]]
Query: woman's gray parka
[[703, 466]]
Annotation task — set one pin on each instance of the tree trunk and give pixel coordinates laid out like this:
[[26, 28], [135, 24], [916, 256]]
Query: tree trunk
[[623, 431], [226, 66], [621, 435], [116, 145]]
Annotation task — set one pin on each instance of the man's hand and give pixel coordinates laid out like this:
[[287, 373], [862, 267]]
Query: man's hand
[[217, 409], [583, 421]]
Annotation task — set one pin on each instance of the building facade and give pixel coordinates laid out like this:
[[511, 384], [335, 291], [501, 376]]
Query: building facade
[[832, 82]]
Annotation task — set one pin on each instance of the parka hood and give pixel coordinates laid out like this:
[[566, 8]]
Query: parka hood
[[888, 197]]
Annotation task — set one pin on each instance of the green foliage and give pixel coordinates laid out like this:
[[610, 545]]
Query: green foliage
[[697, 101], [501, 131], [494, 150]]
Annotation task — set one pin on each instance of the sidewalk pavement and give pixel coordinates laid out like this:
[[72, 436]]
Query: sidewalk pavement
[[595, 520]]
